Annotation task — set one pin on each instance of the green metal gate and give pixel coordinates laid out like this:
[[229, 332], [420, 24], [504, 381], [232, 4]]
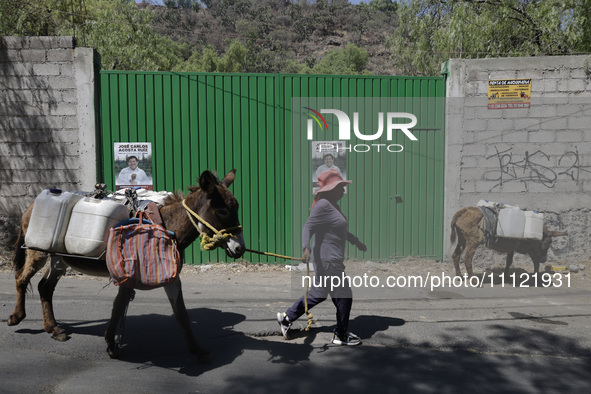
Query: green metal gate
[[198, 121]]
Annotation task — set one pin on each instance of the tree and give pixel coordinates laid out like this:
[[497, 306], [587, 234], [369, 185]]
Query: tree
[[432, 31], [302, 24], [44, 18], [119, 30], [384, 5], [291, 67], [188, 4], [347, 61], [209, 61], [126, 41], [235, 59]]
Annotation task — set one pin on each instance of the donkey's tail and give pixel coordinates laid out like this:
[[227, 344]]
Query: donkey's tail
[[19, 253]]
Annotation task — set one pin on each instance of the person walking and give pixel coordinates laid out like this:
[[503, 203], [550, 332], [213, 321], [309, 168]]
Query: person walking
[[329, 227]]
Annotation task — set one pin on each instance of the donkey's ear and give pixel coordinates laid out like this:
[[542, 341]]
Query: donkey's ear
[[229, 178], [207, 181]]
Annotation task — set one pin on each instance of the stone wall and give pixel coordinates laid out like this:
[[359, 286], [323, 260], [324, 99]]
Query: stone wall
[[538, 158], [47, 121]]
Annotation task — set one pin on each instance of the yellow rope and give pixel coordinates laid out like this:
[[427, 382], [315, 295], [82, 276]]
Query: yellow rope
[[207, 242], [275, 255], [308, 314]]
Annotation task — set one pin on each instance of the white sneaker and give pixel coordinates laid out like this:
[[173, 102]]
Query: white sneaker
[[284, 323], [348, 339]]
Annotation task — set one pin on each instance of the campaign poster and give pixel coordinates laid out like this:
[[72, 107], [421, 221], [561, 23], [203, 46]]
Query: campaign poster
[[133, 165], [328, 155]]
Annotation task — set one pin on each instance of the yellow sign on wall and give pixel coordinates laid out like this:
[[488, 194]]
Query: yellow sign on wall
[[509, 93]]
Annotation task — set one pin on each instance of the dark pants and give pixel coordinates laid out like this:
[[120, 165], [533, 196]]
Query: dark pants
[[320, 288]]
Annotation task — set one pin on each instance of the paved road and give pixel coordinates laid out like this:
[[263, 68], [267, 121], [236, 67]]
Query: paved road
[[448, 340]]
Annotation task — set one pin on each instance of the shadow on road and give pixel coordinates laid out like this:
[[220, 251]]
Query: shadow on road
[[454, 360], [155, 340], [545, 361], [533, 360]]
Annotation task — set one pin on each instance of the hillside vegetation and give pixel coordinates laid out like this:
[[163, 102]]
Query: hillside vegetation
[[272, 36], [381, 37]]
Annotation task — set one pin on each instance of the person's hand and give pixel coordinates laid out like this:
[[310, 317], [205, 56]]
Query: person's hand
[[361, 246], [306, 256]]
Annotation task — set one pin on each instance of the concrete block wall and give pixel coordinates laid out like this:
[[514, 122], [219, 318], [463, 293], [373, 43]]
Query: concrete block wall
[[47, 121], [538, 158]]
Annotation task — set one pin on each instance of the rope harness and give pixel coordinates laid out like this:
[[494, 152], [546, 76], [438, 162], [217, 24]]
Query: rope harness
[[210, 243], [207, 242]]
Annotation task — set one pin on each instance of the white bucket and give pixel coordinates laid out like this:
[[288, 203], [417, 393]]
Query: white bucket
[[534, 225], [510, 223], [49, 220], [91, 220]]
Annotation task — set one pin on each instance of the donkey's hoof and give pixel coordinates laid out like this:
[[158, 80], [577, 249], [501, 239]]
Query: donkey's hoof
[[13, 320], [114, 352], [59, 334], [62, 337]]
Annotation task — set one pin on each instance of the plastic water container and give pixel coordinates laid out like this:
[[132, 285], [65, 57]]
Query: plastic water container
[[534, 225], [510, 223], [50, 219], [88, 232], [486, 203], [502, 205]]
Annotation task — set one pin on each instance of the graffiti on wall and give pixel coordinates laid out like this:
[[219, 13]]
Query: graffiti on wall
[[536, 168]]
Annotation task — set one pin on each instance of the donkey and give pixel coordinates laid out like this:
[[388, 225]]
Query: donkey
[[211, 200], [465, 224]]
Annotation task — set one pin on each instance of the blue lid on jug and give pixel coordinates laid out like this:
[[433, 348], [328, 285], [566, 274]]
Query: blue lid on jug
[[55, 191]]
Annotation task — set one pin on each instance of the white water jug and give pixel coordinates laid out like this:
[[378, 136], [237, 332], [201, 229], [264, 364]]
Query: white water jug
[[49, 220], [486, 203], [91, 220], [510, 223], [534, 225]]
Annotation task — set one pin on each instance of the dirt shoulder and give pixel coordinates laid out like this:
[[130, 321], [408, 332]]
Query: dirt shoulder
[[258, 273]]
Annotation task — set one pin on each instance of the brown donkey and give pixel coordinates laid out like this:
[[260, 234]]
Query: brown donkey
[[211, 200], [465, 224]]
